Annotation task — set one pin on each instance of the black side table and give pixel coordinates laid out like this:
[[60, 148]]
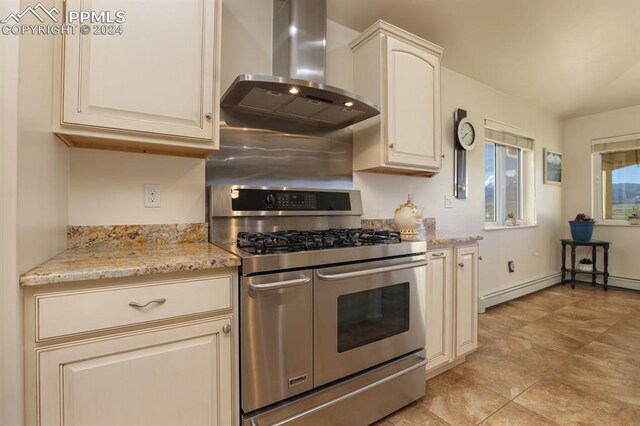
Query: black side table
[[594, 244]]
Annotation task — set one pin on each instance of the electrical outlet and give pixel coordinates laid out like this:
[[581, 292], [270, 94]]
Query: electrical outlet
[[511, 265], [151, 195], [448, 201]]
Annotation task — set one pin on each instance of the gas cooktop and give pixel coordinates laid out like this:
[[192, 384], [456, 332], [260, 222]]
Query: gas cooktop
[[295, 241]]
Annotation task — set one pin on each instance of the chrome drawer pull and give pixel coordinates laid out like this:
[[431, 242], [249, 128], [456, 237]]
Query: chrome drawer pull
[[437, 254], [461, 265], [140, 305], [355, 274], [280, 284]]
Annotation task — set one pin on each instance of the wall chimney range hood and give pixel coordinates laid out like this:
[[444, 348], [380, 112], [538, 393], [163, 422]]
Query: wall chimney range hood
[[297, 93]]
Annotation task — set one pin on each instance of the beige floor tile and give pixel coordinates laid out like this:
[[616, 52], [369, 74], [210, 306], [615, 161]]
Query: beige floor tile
[[499, 323], [524, 352], [611, 307], [413, 415], [534, 310], [505, 377], [487, 335], [518, 312], [622, 335], [568, 405], [514, 414], [597, 380], [460, 401], [579, 323], [619, 362], [546, 335]]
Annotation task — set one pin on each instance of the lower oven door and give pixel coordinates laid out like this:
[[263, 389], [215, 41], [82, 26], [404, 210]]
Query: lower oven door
[[276, 346], [367, 313]]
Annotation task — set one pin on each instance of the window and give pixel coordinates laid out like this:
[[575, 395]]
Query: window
[[508, 166], [617, 178]]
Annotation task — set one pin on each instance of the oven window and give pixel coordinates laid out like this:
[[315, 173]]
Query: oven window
[[368, 316]]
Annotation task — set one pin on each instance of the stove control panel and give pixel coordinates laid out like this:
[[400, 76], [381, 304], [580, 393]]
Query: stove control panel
[[267, 200]]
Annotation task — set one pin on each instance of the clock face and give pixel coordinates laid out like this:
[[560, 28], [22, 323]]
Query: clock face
[[466, 134]]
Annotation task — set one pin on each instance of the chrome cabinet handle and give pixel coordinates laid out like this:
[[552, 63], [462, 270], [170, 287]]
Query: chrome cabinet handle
[[437, 254], [480, 258], [461, 265], [280, 284], [208, 115], [391, 145], [226, 328], [140, 305], [346, 275]]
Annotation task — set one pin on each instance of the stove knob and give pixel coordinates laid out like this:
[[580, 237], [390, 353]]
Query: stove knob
[[270, 200]]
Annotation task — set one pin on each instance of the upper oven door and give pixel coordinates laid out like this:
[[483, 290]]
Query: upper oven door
[[367, 313]]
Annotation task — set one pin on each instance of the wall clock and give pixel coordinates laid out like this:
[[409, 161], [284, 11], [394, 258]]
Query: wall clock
[[466, 134], [465, 140]]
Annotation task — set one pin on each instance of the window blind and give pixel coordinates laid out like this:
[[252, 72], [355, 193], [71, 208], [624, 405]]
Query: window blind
[[506, 135], [603, 146]]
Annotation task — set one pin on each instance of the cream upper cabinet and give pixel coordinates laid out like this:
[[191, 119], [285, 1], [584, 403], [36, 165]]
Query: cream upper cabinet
[[150, 83], [400, 72], [466, 290], [439, 308]]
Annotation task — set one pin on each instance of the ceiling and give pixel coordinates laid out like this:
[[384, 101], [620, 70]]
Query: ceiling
[[570, 57]]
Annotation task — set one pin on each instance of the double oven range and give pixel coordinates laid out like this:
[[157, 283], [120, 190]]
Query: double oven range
[[331, 315]]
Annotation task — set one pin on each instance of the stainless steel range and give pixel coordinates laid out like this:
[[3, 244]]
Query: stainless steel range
[[331, 315]]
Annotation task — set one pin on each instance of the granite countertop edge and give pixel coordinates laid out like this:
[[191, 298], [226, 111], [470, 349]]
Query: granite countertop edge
[[104, 263], [444, 240]]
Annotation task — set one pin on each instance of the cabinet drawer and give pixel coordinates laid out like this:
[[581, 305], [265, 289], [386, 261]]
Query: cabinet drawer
[[73, 312]]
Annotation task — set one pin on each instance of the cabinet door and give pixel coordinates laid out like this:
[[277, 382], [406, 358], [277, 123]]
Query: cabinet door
[[156, 77], [170, 376], [413, 106], [439, 312], [466, 295]]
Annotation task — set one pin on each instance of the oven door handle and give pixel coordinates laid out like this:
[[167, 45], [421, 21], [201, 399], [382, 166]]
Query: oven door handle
[[280, 284], [354, 274]]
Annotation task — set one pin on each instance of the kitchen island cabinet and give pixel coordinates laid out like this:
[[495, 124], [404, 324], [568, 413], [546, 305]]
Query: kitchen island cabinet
[[149, 350], [148, 82], [400, 72], [452, 306]]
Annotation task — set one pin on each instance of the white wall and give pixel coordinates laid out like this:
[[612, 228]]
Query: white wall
[[11, 399], [106, 187], [534, 250], [578, 134]]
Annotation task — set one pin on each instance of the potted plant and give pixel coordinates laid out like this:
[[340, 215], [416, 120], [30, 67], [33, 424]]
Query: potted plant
[[582, 227], [585, 265], [510, 220], [634, 217]]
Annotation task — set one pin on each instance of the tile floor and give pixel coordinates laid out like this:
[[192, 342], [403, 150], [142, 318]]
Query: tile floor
[[554, 357]]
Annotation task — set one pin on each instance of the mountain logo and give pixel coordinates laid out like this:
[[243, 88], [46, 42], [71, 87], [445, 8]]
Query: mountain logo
[[38, 11]]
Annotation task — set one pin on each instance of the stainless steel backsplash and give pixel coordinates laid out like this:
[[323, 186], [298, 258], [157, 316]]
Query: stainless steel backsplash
[[274, 158]]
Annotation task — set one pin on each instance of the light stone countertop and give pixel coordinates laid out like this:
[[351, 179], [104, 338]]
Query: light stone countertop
[[449, 238], [82, 264]]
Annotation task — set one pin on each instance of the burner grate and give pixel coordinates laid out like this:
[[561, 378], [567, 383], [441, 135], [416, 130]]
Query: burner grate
[[293, 241]]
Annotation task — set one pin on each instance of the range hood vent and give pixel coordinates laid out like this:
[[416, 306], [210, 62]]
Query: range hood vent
[[299, 95]]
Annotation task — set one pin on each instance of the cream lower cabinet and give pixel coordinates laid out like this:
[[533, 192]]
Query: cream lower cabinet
[[147, 82], [179, 372], [452, 306], [400, 72]]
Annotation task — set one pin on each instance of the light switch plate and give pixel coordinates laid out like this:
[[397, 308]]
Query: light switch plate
[[448, 201], [151, 195]]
